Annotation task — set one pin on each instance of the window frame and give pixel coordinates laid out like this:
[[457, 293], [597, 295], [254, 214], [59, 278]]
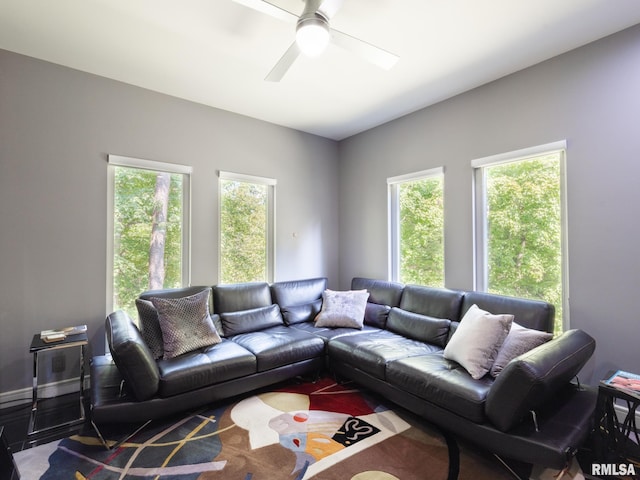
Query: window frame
[[480, 230], [115, 161], [393, 216], [270, 183]]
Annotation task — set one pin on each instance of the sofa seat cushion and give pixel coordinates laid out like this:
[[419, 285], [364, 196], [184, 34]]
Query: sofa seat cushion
[[372, 351], [443, 383], [218, 363], [327, 333], [278, 346]]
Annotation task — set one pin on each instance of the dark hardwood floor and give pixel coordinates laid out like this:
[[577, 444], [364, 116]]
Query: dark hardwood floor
[[15, 421]]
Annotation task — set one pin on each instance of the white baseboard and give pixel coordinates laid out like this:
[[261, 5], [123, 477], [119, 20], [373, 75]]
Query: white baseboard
[[49, 390]]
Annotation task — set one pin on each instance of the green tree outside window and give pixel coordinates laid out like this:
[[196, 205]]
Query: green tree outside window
[[148, 212], [524, 230], [243, 231], [421, 238]]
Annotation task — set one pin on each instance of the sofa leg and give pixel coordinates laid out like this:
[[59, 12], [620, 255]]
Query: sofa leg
[[112, 446], [508, 467]]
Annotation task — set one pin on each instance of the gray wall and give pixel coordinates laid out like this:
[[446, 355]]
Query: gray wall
[[591, 98], [57, 126]]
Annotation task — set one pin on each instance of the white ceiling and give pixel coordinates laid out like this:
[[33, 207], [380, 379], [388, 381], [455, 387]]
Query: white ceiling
[[217, 52]]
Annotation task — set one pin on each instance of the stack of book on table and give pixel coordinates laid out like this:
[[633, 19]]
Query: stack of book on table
[[625, 382], [57, 335]]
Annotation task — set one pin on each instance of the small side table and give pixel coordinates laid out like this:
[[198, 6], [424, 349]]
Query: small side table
[[616, 440], [79, 341]]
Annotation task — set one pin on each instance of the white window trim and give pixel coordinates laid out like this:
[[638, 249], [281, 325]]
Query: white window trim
[[130, 162], [393, 216], [480, 272], [242, 177], [517, 155], [271, 217], [148, 164]]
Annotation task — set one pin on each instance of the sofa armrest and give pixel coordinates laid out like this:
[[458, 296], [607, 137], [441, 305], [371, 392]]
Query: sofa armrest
[[531, 379], [132, 356]]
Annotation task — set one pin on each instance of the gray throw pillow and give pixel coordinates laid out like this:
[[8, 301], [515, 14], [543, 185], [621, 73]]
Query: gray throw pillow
[[477, 340], [520, 340], [149, 326], [342, 309], [185, 323]]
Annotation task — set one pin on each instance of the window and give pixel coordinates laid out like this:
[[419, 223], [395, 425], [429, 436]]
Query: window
[[520, 219], [148, 245], [416, 228], [247, 218]]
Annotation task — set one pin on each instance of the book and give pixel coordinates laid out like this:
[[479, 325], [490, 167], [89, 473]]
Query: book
[[625, 381], [58, 334], [52, 337]]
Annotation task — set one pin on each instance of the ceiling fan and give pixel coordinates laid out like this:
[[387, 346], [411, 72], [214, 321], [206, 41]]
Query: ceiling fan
[[313, 34]]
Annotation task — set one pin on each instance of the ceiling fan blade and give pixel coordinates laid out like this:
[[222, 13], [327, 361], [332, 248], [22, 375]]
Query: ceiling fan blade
[[367, 51], [330, 7], [270, 9], [283, 65]]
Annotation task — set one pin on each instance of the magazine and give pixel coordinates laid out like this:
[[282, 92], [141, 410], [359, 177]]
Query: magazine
[[625, 381]]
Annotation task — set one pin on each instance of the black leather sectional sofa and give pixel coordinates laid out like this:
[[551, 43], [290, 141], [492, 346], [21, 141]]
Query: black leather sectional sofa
[[533, 411]]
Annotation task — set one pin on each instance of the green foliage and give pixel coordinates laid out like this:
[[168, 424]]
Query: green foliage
[[422, 232], [524, 230], [243, 235], [133, 218]]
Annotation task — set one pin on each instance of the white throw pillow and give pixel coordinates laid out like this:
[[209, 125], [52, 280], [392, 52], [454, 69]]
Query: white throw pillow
[[476, 342], [520, 340], [342, 309]]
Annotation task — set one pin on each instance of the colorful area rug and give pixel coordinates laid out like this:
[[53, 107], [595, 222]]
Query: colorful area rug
[[317, 430]]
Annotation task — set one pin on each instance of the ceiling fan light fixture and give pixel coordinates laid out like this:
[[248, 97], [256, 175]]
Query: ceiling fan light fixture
[[312, 35]]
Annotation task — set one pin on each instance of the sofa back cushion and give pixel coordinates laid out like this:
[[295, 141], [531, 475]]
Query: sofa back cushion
[[431, 301], [532, 379], [252, 320], [528, 313], [380, 291], [299, 300], [301, 313], [383, 295], [241, 296], [298, 292], [419, 327], [132, 356]]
